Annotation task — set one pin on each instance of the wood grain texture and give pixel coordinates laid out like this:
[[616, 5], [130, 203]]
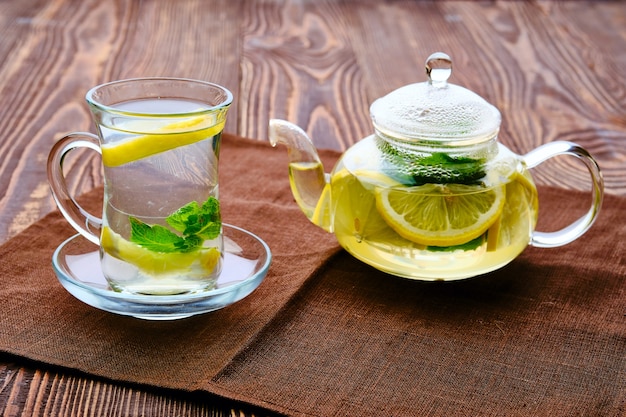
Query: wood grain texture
[[26, 391], [554, 69]]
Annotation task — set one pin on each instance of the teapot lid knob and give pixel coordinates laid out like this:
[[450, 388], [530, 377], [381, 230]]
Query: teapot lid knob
[[438, 69]]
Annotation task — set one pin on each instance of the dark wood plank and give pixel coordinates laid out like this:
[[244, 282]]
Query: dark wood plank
[[298, 64], [28, 391]]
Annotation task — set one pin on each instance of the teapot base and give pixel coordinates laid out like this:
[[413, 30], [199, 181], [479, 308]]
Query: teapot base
[[430, 265]]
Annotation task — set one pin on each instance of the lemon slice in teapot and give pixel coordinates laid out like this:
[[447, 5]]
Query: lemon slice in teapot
[[438, 214]]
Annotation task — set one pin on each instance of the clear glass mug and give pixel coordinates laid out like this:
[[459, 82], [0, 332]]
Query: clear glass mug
[[160, 231]]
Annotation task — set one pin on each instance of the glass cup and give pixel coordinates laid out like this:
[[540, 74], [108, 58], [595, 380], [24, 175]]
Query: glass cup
[[160, 231]]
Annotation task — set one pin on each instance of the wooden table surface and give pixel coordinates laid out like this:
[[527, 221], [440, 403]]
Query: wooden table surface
[[555, 70]]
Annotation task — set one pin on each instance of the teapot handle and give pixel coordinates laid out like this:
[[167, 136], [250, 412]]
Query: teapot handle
[[580, 226]]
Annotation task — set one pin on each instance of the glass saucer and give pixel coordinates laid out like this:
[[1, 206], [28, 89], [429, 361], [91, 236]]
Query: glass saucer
[[247, 259]]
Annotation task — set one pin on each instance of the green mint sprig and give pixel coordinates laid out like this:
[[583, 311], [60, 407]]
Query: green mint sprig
[[413, 168], [195, 222], [441, 168]]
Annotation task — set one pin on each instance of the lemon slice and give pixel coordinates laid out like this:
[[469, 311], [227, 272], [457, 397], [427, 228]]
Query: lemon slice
[[157, 263], [321, 214], [169, 137], [347, 196], [440, 215], [519, 214]]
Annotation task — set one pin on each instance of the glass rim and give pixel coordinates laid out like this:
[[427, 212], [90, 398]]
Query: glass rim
[[114, 110]]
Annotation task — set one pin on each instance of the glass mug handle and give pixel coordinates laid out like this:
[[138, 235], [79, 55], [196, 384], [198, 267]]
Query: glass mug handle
[[79, 218], [580, 226]]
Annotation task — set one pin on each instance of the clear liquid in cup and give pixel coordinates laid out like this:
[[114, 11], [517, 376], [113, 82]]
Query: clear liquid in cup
[[161, 229]]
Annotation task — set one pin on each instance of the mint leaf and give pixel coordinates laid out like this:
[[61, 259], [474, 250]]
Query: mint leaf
[[155, 238], [180, 218], [189, 243], [442, 168], [202, 221], [209, 221], [197, 223], [411, 167]]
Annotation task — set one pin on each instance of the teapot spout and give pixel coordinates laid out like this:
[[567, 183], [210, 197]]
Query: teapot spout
[[309, 184]]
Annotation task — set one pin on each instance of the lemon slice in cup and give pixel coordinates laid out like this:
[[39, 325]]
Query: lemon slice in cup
[[440, 215], [157, 263], [169, 137]]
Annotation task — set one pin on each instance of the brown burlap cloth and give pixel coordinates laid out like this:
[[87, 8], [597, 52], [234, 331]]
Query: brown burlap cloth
[[326, 335]]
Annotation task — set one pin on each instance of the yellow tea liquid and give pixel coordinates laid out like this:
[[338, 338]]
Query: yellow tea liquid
[[493, 222]]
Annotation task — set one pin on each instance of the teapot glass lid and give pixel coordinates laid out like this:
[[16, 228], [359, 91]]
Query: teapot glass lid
[[435, 110]]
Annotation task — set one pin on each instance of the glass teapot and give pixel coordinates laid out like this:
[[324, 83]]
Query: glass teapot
[[431, 195]]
